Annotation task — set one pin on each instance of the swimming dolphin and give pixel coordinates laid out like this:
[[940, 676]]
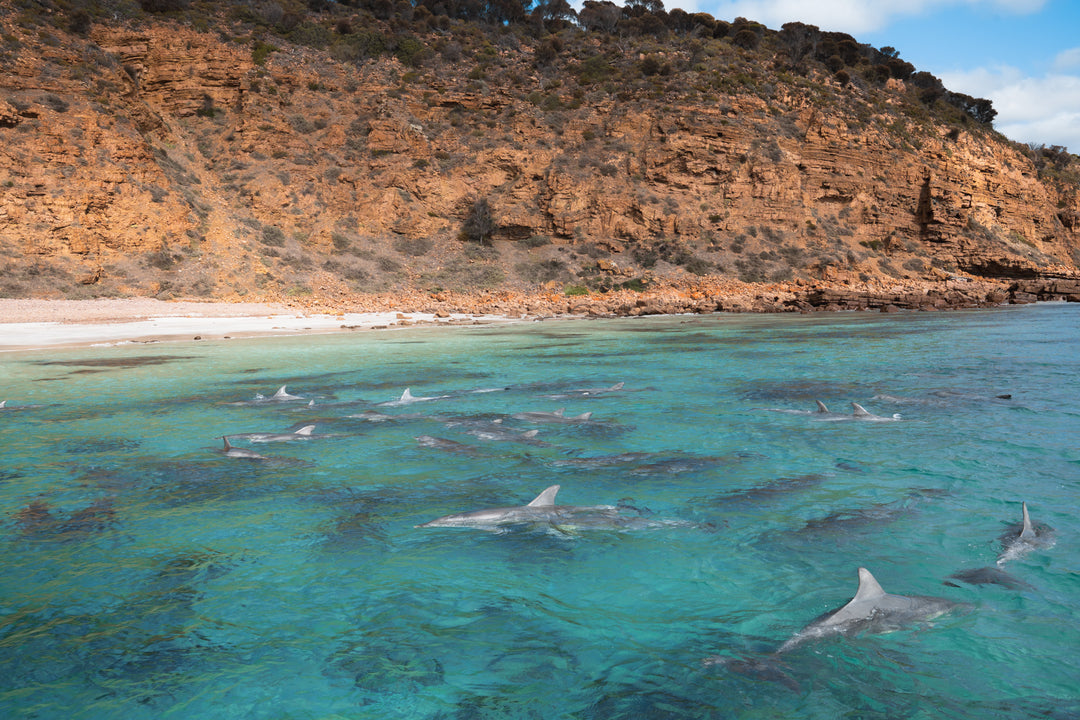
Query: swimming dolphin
[[445, 444], [541, 511], [861, 413], [988, 576], [303, 433], [282, 395], [232, 451], [407, 398], [552, 417], [586, 392], [493, 432], [1021, 538], [821, 410], [872, 610]]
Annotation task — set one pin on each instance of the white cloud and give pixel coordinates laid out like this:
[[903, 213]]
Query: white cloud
[[1042, 110], [1067, 59], [850, 16]]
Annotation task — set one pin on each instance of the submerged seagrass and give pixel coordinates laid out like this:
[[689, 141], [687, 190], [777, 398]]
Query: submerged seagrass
[[150, 574]]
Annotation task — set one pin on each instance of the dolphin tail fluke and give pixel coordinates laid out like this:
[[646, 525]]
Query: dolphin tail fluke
[[306, 430], [821, 407], [546, 498], [1029, 530]]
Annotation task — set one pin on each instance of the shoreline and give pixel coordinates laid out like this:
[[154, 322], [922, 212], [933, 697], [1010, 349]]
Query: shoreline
[[26, 324]]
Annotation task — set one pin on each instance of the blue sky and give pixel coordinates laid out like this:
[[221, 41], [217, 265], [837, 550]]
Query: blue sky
[[1024, 55]]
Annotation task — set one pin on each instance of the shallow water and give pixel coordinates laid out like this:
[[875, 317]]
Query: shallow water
[[148, 575]]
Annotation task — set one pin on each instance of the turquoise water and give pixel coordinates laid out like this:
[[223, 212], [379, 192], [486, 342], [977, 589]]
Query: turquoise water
[[147, 575]]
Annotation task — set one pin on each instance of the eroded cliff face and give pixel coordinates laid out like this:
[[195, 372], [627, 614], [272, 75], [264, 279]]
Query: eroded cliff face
[[161, 160]]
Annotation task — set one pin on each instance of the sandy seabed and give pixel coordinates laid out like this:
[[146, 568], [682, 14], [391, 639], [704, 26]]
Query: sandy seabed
[[40, 324]]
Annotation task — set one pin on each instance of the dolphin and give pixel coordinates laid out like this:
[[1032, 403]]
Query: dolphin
[[238, 452], [587, 392], [872, 610], [495, 433], [552, 417], [407, 398], [988, 576], [303, 433], [282, 395], [861, 413], [600, 461], [821, 410], [445, 444], [541, 511], [1023, 537]]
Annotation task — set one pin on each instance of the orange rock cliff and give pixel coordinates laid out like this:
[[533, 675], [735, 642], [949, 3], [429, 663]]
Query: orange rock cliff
[[154, 157]]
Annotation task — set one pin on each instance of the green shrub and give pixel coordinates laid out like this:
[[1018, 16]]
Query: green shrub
[[273, 236], [260, 51]]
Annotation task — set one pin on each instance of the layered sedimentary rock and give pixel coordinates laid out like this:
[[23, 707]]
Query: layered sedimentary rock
[[158, 159]]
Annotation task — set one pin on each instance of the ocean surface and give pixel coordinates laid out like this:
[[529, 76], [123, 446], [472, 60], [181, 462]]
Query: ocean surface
[[146, 574]]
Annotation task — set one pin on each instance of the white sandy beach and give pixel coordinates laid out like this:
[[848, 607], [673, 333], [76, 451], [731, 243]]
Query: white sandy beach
[[42, 324]]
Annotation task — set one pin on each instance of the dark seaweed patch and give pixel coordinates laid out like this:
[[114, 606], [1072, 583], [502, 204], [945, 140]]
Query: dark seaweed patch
[[116, 363], [90, 446]]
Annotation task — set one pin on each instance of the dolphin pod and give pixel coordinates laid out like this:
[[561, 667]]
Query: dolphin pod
[[822, 412]]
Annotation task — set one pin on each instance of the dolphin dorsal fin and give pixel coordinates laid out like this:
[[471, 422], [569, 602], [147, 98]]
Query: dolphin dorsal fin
[[558, 412], [546, 498], [869, 589], [584, 416], [228, 445], [530, 434], [3, 403], [306, 430], [821, 407], [1029, 530], [281, 392], [617, 386], [860, 411], [405, 396]]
